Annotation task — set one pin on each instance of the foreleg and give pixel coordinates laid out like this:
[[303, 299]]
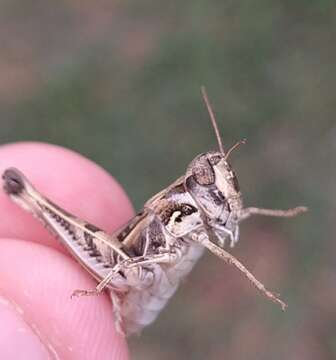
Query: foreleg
[[247, 212]]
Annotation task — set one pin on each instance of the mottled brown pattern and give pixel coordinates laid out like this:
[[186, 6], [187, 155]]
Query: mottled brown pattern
[[202, 171], [178, 189], [155, 235], [124, 232]]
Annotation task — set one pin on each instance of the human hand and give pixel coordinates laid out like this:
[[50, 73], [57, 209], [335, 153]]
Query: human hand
[[37, 276]]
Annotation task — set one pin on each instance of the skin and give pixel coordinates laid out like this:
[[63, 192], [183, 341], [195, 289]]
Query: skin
[[37, 276]]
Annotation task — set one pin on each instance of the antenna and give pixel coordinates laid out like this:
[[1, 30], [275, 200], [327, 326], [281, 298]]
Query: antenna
[[213, 119], [241, 142]]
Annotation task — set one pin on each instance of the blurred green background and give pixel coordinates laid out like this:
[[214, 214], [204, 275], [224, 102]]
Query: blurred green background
[[120, 83]]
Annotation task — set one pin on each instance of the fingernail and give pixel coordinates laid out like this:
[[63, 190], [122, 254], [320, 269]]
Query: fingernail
[[17, 339]]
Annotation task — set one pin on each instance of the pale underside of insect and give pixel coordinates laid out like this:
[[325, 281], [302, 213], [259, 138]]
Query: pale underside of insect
[[142, 264]]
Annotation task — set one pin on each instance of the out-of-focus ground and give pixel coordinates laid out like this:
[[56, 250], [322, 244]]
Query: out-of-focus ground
[[119, 82]]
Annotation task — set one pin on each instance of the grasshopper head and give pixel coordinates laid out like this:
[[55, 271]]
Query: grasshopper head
[[213, 184]]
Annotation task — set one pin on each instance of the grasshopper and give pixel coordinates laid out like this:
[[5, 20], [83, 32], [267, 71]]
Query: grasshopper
[[142, 264]]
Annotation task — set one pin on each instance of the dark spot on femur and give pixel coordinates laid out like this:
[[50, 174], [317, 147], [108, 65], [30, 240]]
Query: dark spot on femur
[[92, 228], [13, 183], [203, 173]]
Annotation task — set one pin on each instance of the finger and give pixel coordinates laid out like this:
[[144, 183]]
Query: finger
[[40, 280], [86, 190], [70, 180], [26, 344]]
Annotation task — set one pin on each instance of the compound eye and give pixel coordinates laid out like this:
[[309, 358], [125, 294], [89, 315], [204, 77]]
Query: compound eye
[[203, 173]]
